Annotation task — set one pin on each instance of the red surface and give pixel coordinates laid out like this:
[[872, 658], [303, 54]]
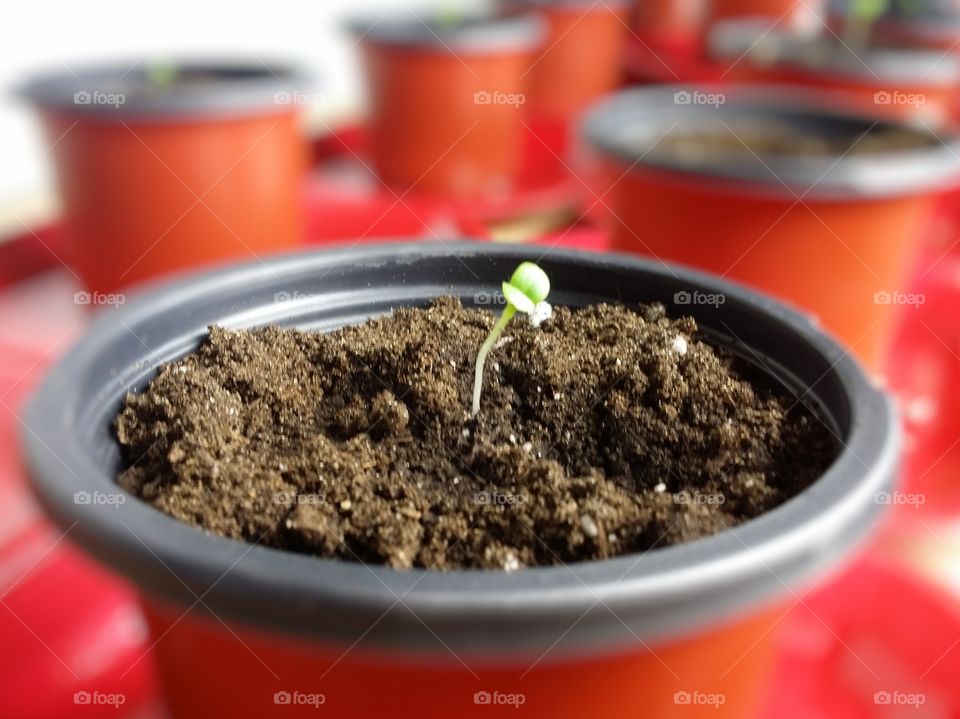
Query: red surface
[[925, 374], [69, 631], [878, 642]]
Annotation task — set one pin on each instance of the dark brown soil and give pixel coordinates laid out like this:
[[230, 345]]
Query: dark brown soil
[[598, 436], [751, 139]]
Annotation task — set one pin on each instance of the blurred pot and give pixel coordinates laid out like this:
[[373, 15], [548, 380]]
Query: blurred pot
[[580, 58], [902, 83], [669, 26], [774, 12], [279, 634], [835, 234], [165, 168], [448, 101], [933, 25]]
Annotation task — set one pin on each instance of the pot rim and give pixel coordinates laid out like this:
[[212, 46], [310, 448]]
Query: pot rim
[[237, 85], [607, 6], [875, 66], [668, 592], [473, 34], [626, 125]]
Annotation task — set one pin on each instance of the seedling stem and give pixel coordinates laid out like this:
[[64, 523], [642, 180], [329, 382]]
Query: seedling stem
[[527, 288]]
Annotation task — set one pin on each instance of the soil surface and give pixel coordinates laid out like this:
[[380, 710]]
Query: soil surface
[[604, 432], [770, 138]]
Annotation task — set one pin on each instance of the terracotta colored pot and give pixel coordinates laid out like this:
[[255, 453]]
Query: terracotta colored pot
[[902, 83], [784, 12], [156, 177], [670, 25], [277, 633], [934, 25], [448, 102], [837, 236], [580, 58]]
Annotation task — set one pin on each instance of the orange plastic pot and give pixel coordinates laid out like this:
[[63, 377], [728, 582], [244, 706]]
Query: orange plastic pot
[[448, 103], [580, 57], [783, 11], [264, 674], [934, 26], [155, 178], [244, 630], [900, 83], [837, 236], [669, 23]]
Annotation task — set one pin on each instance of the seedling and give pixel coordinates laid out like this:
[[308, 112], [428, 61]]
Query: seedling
[[861, 14], [161, 73], [526, 293]]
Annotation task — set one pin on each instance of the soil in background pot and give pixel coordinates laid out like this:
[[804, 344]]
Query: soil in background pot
[[603, 432], [752, 139]]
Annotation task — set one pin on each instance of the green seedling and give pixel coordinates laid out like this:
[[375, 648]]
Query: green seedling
[[525, 292], [450, 15], [861, 14], [161, 73]]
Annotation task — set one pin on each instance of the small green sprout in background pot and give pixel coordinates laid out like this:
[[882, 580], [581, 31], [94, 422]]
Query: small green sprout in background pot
[[162, 73], [526, 292], [861, 14]]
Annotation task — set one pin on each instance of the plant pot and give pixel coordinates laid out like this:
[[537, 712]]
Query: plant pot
[[579, 60], [448, 102], [836, 235], [671, 26], [933, 25], [686, 625], [901, 83], [779, 12], [156, 176]]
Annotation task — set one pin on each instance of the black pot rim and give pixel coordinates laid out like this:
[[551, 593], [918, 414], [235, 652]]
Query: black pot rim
[[628, 124], [121, 91], [472, 34], [662, 594], [755, 39], [571, 5]]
